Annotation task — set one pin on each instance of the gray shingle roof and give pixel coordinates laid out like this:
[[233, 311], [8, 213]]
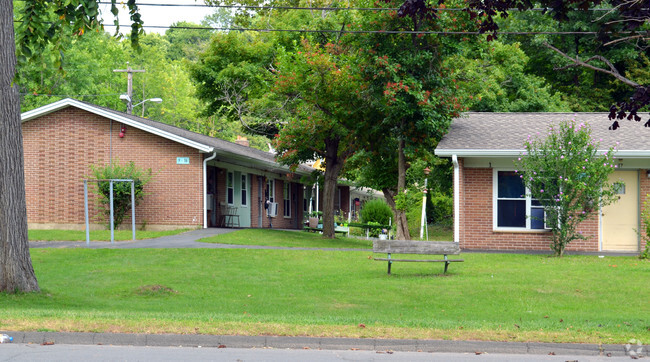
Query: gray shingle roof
[[490, 134]]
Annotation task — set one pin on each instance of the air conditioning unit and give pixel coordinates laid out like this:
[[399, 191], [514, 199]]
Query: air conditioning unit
[[272, 210]]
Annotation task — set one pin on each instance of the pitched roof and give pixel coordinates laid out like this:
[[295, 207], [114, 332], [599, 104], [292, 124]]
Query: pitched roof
[[503, 134], [246, 155]]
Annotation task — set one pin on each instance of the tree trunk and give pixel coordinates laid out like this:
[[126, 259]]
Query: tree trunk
[[16, 271], [400, 222], [400, 215], [333, 167]]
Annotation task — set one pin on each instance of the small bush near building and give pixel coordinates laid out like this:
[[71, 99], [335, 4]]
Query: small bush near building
[[121, 190], [376, 210]]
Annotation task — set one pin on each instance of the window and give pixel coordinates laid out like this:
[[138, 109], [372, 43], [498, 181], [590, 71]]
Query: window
[[306, 194], [230, 187], [244, 190], [270, 190], [286, 196], [514, 208]]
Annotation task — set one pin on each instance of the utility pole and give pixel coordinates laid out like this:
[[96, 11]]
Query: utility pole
[[129, 89]]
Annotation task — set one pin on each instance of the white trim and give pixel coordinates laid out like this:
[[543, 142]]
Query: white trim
[[517, 152], [454, 160], [527, 199], [205, 190], [245, 184], [53, 107], [286, 199]]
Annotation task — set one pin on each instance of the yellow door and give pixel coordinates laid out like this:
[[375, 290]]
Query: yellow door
[[621, 218]]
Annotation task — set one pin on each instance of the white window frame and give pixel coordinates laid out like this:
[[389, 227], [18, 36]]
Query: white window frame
[[495, 205], [270, 187], [230, 188], [244, 190], [286, 197]]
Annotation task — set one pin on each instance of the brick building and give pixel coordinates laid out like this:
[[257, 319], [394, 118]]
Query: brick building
[[492, 211], [198, 181]]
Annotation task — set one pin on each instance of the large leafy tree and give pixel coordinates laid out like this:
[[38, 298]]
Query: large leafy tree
[[412, 96], [41, 24], [625, 21], [324, 98]]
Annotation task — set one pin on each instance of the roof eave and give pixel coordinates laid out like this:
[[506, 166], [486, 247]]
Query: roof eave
[[515, 153], [53, 107]]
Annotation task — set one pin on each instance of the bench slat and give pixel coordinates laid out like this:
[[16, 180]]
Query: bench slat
[[415, 247], [424, 260]]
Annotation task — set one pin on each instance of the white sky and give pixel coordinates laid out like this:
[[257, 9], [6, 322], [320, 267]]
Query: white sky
[[157, 15]]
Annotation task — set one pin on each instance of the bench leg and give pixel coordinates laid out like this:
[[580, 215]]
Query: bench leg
[[446, 266], [389, 264]]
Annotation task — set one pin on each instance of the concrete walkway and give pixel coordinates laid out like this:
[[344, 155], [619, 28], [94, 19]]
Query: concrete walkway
[[183, 240]]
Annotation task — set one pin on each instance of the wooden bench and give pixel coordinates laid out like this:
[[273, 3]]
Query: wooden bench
[[416, 247]]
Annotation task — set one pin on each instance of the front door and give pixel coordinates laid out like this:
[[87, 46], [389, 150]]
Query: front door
[[621, 219]]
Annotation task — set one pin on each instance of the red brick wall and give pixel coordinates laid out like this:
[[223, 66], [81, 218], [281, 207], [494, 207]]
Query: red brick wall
[[60, 146], [476, 220]]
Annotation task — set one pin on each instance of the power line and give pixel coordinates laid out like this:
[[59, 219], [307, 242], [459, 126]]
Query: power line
[[261, 30], [263, 7]]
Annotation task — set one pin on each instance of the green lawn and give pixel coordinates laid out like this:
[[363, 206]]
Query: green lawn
[[332, 293], [284, 238], [96, 235]]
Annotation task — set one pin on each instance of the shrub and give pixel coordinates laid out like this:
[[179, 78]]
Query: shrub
[[121, 190], [441, 209], [376, 210], [568, 175]]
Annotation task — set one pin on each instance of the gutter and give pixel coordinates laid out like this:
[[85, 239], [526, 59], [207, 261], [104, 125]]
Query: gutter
[[454, 160], [205, 189]]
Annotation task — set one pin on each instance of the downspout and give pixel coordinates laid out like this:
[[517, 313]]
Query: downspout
[[205, 188], [454, 160]]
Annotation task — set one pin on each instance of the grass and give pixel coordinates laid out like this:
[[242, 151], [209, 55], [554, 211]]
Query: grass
[[505, 297], [96, 235], [284, 238]]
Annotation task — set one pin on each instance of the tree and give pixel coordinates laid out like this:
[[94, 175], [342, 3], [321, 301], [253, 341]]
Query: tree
[[411, 96], [626, 21], [567, 174], [492, 77], [38, 28], [16, 271], [323, 95]]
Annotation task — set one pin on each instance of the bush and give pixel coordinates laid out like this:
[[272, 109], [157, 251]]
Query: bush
[[376, 210], [441, 210], [121, 190]]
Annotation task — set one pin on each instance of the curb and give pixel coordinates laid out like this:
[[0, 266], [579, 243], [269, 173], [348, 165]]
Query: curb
[[279, 342]]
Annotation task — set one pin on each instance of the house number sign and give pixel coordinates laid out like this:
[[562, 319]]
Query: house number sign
[[182, 160]]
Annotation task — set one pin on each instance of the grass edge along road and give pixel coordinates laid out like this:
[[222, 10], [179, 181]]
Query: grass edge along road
[[502, 297]]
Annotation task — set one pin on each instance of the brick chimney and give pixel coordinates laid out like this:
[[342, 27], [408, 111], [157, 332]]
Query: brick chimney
[[242, 141]]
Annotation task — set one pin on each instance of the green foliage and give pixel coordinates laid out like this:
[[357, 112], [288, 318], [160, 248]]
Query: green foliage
[[493, 77], [376, 210], [441, 209], [569, 177], [121, 190]]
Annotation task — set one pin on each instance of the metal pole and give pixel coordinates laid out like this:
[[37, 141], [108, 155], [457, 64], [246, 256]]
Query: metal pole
[[424, 209], [86, 212], [133, 208], [110, 183]]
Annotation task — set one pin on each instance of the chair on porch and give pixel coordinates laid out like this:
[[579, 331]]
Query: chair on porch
[[228, 216]]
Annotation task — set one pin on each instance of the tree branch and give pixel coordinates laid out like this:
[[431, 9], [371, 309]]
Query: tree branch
[[577, 62]]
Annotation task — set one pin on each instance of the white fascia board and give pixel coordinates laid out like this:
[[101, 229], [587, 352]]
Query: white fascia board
[[477, 153], [52, 107], [516, 153]]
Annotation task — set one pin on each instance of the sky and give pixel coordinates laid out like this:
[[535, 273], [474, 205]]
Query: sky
[[158, 15]]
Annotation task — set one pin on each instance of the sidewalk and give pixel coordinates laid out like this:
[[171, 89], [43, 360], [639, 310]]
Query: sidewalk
[[370, 344]]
